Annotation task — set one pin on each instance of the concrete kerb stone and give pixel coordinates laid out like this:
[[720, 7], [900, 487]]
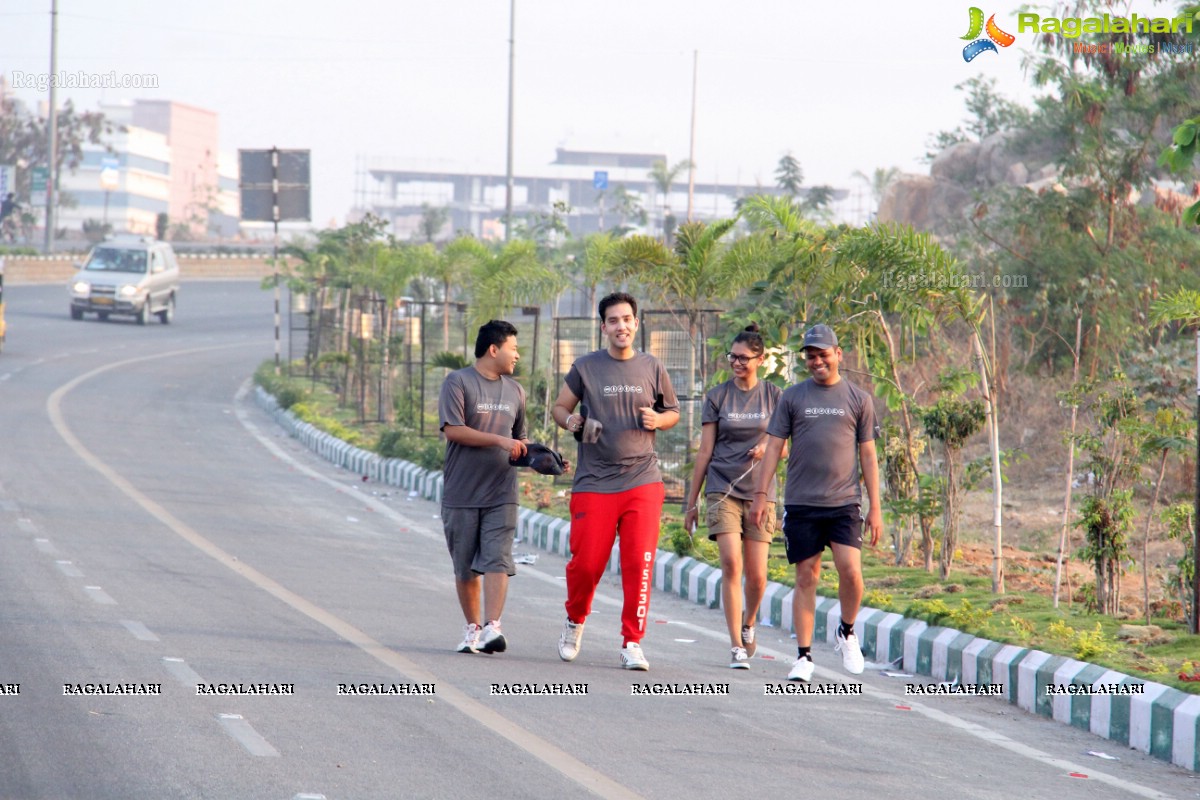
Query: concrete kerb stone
[[1160, 721]]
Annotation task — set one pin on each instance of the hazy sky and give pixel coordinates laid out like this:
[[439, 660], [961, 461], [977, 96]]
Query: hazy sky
[[844, 86]]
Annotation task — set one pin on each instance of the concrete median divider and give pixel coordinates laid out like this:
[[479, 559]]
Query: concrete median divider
[[1150, 717]]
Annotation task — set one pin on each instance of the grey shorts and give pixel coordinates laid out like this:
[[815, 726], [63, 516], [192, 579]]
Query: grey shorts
[[480, 540]]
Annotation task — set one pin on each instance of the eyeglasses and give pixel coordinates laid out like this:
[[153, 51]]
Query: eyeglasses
[[738, 359]]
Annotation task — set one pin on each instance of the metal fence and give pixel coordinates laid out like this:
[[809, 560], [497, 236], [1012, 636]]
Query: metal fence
[[339, 340], [689, 361]]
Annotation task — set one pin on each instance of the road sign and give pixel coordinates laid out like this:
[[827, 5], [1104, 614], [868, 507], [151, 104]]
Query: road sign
[[110, 176], [600, 179], [275, 181], [38, 178]]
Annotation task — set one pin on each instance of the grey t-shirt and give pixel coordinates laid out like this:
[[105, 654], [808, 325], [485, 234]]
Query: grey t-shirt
[[741, 417], [614, 392], [480, 477], [826, 424]]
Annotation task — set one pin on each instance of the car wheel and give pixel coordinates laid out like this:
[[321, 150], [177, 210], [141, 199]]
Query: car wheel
[[76, 313], [102, 315], [143, 316], [167, 314]]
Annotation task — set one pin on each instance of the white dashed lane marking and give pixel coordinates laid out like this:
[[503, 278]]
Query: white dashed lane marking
[[99, 595], [237, 727], [69, 569], [139, 631]]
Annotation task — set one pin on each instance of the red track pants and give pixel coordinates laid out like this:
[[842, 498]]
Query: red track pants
[[596, 520]]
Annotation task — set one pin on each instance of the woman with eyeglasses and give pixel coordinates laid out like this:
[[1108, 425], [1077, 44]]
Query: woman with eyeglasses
[[732, 443]]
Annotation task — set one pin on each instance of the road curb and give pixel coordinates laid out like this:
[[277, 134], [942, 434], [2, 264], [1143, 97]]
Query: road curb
[[1142, 715]]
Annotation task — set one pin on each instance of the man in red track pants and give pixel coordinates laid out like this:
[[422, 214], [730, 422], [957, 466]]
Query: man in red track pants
[[623, 397]]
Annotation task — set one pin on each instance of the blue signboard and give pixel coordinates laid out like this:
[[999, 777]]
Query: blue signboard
[[600, 179]]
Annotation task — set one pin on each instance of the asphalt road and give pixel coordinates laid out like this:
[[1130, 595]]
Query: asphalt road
[[158, 533]]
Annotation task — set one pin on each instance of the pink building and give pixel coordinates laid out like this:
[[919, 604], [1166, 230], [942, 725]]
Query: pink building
[[191, 134]]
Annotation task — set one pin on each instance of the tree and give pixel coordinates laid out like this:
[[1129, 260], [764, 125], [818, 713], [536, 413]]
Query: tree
[[664, 178], [451, 268], [693, 274], [789, 176], [1115, 447], [878, 181], [432, 221], [990, 112], [816, 203], [392, 267], [23, 141], [952, 421], [628, 208]]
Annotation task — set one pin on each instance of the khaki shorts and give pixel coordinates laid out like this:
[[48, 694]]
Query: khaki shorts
[[732, 515]]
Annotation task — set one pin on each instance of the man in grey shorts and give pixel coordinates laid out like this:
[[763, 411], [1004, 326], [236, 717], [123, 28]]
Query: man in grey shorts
[[482, 412], [832, 427]]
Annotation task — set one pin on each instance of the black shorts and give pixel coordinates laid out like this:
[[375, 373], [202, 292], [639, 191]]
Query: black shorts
[[807, 530]]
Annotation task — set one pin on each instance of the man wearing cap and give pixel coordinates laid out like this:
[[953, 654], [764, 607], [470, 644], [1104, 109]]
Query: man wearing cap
[[832, 427], [482, 412]]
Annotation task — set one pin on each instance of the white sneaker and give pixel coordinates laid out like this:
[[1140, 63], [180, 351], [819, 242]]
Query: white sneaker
[[852, 657], [738, 658], [632, 658], [802, 670], [470, 642], [569, 640], [491, 640], [748, 640]]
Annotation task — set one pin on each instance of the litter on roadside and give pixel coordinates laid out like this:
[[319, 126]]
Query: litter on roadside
[[525, 558]]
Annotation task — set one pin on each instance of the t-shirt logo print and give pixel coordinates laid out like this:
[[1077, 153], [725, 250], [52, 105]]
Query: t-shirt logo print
[[995, 35]]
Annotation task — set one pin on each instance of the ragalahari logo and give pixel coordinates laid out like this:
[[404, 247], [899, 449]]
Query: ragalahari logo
[[995, 36]]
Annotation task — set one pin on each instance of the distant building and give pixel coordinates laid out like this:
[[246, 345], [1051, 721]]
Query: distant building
[[476, 201], [165, 159]]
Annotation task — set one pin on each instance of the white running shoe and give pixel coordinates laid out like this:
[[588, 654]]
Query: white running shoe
[[748, 640], [491, 640], [738, 658], [852, 657], [569, 640], [632, 658], [802, 670], [470, 642]]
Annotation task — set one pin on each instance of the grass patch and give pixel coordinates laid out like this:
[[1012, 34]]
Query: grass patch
[[965, 602]]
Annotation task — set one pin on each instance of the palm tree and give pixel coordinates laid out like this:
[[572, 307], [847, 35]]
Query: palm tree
[[451, 268], [878, 182], [689, 276], [392, 267], [664, 178]]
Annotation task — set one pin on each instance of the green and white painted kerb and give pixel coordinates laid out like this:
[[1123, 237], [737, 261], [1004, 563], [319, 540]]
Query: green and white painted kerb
[[1158, 720]]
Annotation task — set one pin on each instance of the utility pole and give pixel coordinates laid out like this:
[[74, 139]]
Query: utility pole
[[52, 129], [692, 148], [508, 175]]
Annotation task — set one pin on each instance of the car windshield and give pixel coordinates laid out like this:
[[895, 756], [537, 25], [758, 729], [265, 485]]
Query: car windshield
[[114, 259]]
